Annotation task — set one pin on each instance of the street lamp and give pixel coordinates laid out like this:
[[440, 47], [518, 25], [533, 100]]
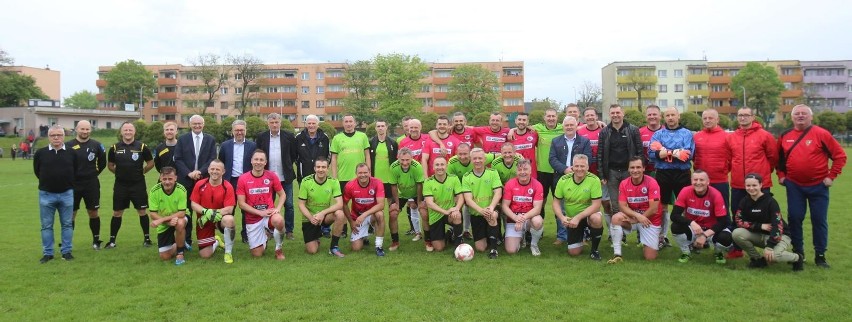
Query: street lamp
[[745, 98]]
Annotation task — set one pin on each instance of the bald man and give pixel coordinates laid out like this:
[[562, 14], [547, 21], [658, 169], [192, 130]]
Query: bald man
[[91, 161]]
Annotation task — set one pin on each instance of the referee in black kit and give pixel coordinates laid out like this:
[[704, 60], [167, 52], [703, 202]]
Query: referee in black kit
[[91, 161]]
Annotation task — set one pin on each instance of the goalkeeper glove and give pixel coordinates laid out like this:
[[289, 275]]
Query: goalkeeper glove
[[657, 146], [681, 154], [206, 216]]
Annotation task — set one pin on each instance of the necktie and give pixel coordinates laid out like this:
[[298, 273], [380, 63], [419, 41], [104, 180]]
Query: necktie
[[197, 149]]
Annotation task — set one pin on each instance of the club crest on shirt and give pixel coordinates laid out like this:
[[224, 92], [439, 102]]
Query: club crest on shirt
[[372, 192], [529, 191], [135, 156], [529, 138], [644, 190], [265, 181], [467, 137], [449, 144], [808, 142], [91, 156], [706, 203]]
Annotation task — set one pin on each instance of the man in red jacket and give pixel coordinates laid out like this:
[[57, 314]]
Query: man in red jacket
[[803, 168], [711, 154], [752, 150]]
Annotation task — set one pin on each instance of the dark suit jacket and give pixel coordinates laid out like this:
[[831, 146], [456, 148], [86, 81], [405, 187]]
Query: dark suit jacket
[[288, 151], [185, 157], [226, 155], [559, 152]]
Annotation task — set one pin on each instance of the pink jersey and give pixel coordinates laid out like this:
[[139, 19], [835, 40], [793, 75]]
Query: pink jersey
[[593, 136], [416, 146], [258, 192], [639, 196], [491, 141], [468, 136], [363, 198], [645, 133], [434, 150], [522, 196], [703, 210], [525, 146]]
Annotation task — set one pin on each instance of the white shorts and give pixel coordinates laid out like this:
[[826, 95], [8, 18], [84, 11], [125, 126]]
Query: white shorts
[[648, 236], [257, 232], [604, 193], [363, 230], [167, 248], [511, 232]]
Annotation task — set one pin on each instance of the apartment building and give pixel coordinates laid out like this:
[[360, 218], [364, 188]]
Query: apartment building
[[828, 85], [298, 90], [45, 78]]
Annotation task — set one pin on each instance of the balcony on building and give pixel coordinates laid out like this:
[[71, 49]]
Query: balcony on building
[[167, 96], [795, 78], [513, 94], [100, 83], [278, 81], [630, 79], [633, 94], [442, 109], [720, 80], [698, 78], [791, 93], [512, 76], [335, 95], [513, 108], [721, 95], [439, 95], [167, 109], [333, 109]]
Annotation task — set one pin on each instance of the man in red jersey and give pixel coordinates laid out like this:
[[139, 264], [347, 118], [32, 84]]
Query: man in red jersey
[[445, 145], [652, 118], [699, 217], [639, 205], [592, 131], [213, 201], [525, 140], [255, 191], [803, 168], [751, 149], [491, 137], [523, 197], [367, 195]]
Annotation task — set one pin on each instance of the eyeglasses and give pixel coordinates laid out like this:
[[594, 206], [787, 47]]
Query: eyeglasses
[[56, 135], [744, 115]]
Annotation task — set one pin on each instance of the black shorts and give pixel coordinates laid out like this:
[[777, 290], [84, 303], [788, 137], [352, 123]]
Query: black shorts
[[575, 235], [311, 232], [88, 191], [124, 194], [388, 193], [166, 238], [343, 185], [671, 182], [436, 230], [479, 226]]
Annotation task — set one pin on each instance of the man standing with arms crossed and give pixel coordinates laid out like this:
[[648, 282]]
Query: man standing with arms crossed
[[751, 150], [130, 160], [280, 148], [193, 153], [236, 156], [55, 167], [91, 160], [803, 168], [311, 143], [671, 149]]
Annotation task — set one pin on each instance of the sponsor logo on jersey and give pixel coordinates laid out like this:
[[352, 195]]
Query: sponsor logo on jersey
[[522, 198], [495, 139], [524, 146], [637, 199], [365, 201], [258, 191], [593, 142], [698, 212]]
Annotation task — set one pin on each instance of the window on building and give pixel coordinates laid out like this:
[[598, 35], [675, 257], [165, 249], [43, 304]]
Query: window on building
[[238, 76], [662, 73], [238, 90], [320, 103], [696, 86], [679, 102], [733, 72], [788, 85], [696, 71], [224, 90], [788, 71], [334, 102], [167, 117], [223, 105], [306, 104], [513, 87], [678, 73], [191, 76], [623, 72], [334, 88], [306, 89], [306, 76], [320, 89], [662, 102], [109, 124], [717, 72], [320, 75], [425, 88], [678, 88], [335, 73], [512, 102], [272, 103], [696, 101], [626, 102], [169, 103], [443, 73], [155, 104], [443, 88], [663, 88], [717, 88], [155, 118], [717, 103]]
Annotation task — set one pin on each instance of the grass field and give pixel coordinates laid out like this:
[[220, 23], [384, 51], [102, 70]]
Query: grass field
[[131, 283]]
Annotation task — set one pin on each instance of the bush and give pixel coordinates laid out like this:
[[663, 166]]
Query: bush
[[370, 130], [691, 121], [635, 117], [328, 129], [255, 126], [480, 119]]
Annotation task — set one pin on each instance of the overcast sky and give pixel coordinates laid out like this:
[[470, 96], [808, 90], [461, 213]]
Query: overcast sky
[[562, 43]]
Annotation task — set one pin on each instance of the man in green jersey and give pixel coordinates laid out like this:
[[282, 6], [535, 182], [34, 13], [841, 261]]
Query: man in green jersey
[[482, 190], [459, 165], [581, 194], [442, 193], [348, 149], [383, 153], [406, 181], [505, 163], [167, 208], [321, 202]]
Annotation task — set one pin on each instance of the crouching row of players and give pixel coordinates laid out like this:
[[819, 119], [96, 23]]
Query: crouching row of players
[[699, 216]]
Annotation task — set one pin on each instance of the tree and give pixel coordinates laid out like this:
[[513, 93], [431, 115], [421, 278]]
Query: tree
[[254, 126], [536, 116], [472, 90], [691, 121], [635, 117], [151, 134], [590, 95], [832, 121], [361, 99], [5, 59], [397, 82], [641, 80], [544, 104], [247, 72], [848, 120], [762, 88], [727, 123], [328, 129], [213, 75], [127, 80], [82, 99], [428, 121], [16, 89], [481, 119]]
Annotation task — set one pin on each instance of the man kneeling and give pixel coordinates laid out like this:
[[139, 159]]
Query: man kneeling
[[699, 217], [639, 201], [320, 203], [167, 208], [367, 195], [213, 202]]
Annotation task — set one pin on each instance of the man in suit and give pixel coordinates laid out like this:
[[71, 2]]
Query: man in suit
[[563, 148], [281, 148], [193, 153], [236, 155]]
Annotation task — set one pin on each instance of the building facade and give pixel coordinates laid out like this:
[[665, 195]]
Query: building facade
[[828, 85], [26, 119], [296, 91], [45, 78]]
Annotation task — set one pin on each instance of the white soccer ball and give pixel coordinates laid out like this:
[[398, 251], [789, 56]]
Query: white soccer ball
[[464, 253]]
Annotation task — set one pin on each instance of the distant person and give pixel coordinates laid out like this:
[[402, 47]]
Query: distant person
[[164, 153], [91, 158], [803, 168], [760, 224], [130, 160], [55, 166], [167, 208]]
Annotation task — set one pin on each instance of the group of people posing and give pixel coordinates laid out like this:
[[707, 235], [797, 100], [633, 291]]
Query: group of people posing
[[488, 184]]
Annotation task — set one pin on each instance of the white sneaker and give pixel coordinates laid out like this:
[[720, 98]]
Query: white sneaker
[[534, 250], [417, 237]]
